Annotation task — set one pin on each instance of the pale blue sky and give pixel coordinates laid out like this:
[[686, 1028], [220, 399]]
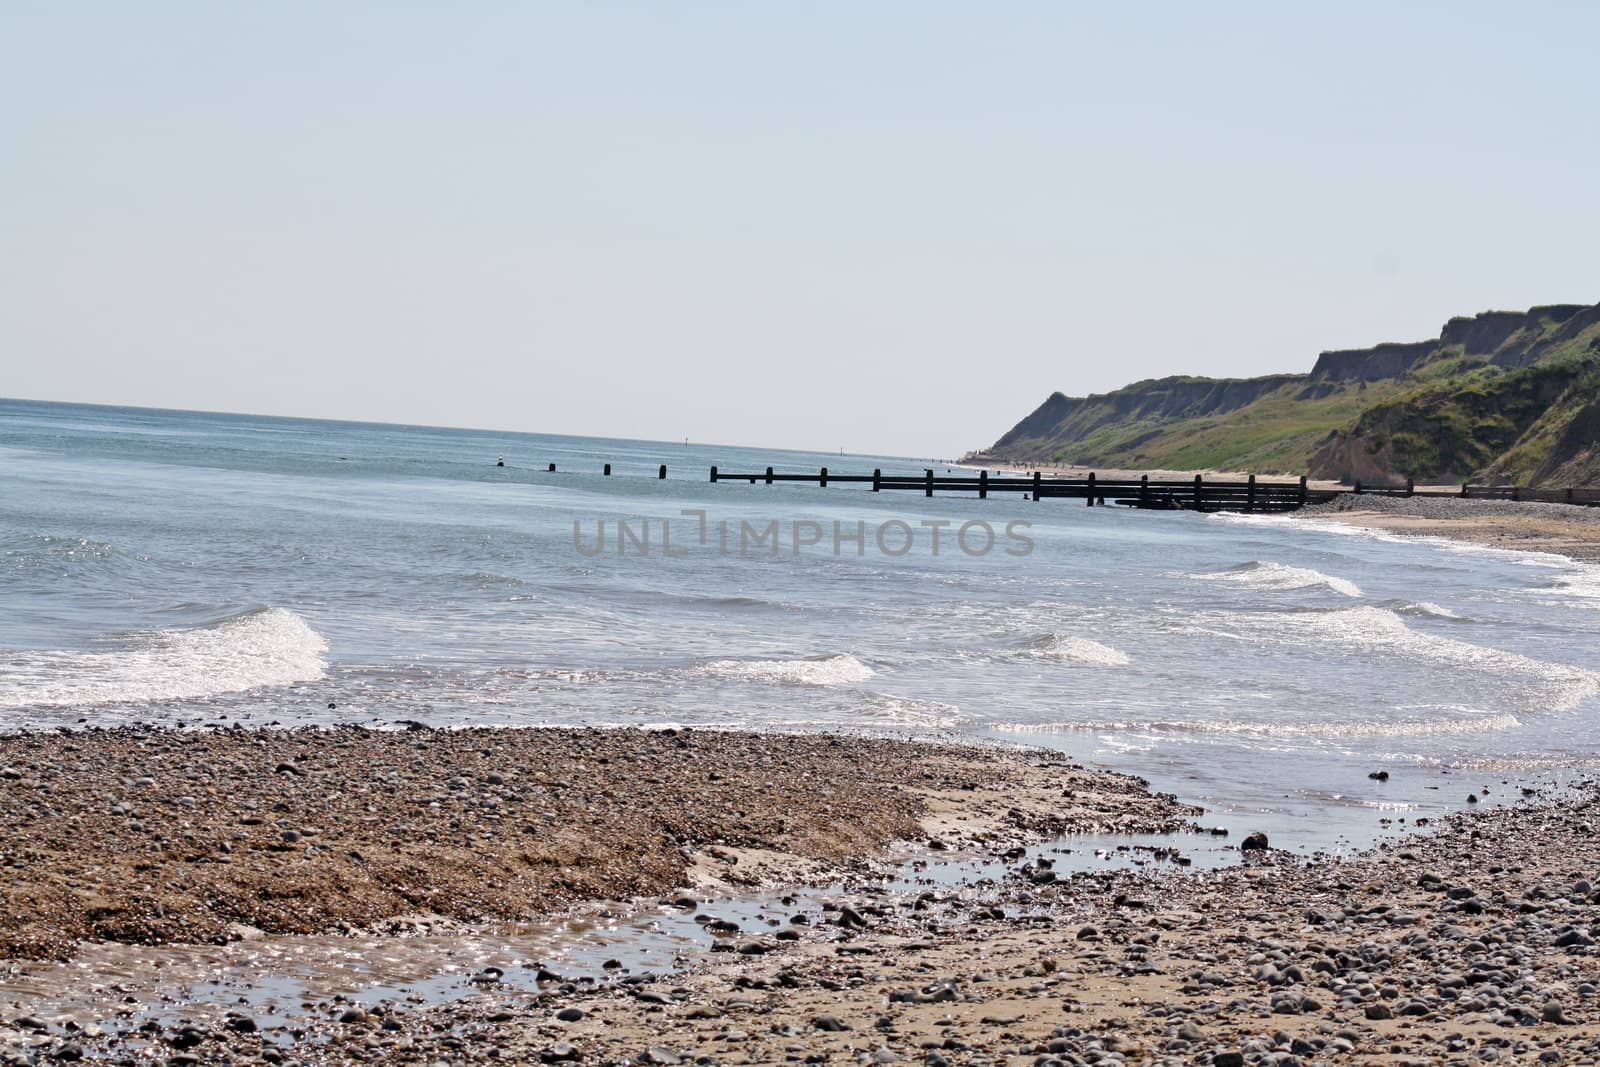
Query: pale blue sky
[[879, 226]]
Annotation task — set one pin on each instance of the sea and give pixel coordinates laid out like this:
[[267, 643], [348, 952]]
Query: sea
[[191, 570]]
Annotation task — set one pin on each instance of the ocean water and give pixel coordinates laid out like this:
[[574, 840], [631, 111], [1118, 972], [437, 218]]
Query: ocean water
[[185, 568]]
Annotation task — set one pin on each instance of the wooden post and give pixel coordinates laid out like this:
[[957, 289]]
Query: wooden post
[[983, 486], [929, 491], [713, 476], [1199, 494], [1516, 492], [1250, 497], [663, 472], [1036, 481], [551, 468], [1303, 494], [1091, 489], [1411, 487], [769, 475], [1463, 488], [607, 471], [1144, 490], [877, 476], [1569, 494], [822, 479], [1358, 487]]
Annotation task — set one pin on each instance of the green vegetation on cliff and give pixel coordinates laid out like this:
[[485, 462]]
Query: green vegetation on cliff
[[1502, 395]]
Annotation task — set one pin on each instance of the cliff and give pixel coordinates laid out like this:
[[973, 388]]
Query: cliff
[[1503, 395]]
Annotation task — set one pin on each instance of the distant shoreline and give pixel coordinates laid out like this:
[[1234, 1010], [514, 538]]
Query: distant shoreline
[[1561, 529]]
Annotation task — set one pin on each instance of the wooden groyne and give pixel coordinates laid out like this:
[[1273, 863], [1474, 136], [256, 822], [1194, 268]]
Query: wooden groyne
[[1197, 494], [1200, 494]]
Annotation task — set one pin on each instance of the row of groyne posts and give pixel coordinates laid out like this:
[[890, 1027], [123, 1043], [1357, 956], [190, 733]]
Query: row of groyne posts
[[1197, 494]]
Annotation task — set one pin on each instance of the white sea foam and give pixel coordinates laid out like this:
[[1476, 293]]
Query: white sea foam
[[1263, 574], [1427, 608], [1408, 727], [1383, 633], [1582, 582], [259, 648], [820, 670], [907, 711], [1078, 650]]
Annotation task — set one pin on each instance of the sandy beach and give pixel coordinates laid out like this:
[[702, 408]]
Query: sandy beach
[[1562, 529]]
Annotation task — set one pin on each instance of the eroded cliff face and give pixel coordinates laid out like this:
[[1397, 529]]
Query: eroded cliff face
[[1497, 394], [1389, 360], [1450, 430], [1157, 398]]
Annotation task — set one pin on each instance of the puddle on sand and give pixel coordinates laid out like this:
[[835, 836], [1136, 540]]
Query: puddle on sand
[[279, 979]]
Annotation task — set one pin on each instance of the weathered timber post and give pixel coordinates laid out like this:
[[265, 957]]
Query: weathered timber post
[[929, 490], [713, 476], [1199, 494], [1411, 487], [983, 486], [1516, 492], [1250, 497], [1036, 481], [662, 473], [1303, 494], [877, 476], [1091, 489], [822, 479], [1144, 490], [607, 471], [1464, 489], [551, 468], [769, 475]]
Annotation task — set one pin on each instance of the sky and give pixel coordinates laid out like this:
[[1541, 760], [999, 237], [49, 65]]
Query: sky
[[878, 226]]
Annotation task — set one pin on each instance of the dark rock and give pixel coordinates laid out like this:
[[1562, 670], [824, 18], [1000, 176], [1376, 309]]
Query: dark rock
[[830, 1023], [1256, 842], [569, 1015]]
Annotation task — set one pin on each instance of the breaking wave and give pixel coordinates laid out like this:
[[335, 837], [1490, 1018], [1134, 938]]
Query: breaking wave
[[1260, 574], [1428, 609], [265, 647], [1078, 650], [819, 670], [1385, 634]]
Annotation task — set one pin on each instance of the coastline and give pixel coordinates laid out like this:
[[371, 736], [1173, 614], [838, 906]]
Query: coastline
[[1560, 529]]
